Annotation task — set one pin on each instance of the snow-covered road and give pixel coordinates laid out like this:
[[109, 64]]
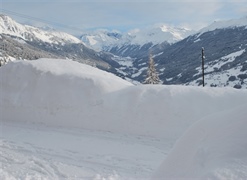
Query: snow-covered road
[[37, 151]]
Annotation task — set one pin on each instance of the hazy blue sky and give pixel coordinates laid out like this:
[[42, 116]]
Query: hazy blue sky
[[75, 15]]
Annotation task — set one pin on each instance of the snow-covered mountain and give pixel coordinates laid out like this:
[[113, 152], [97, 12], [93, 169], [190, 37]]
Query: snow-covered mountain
[[177, 56], [10, 27], [103, 39], [27, 42]]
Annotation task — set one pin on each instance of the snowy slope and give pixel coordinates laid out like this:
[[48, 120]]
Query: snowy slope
[[234, 76], [62, 119], [233, 23], [10, 27]]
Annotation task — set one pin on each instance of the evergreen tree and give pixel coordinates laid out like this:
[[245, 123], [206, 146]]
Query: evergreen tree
[[152, 76]]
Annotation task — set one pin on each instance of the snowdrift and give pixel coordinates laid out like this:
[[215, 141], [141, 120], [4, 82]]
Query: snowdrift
[[213, 148], [68, 94]]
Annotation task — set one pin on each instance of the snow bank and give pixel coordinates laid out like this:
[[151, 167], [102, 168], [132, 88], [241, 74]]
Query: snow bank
[[208, 124], [68, 94], [213, 148]]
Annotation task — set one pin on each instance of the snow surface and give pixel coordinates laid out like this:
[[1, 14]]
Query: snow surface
[[31, 151], [213, 148], [64, 120]]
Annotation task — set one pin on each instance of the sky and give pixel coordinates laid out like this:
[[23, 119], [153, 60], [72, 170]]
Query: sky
[[77, 16]]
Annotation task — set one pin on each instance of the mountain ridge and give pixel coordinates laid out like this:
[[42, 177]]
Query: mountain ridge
[[28, 42]]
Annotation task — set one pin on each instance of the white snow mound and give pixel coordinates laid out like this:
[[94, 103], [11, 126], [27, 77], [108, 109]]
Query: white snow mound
[[68, 94], [213, 148]]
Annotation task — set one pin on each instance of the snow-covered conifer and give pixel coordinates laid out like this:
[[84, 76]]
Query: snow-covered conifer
[[152, 75]]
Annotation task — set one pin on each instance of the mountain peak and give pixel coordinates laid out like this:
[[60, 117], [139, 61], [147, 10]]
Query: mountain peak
[[10, 27], [5, 17]]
